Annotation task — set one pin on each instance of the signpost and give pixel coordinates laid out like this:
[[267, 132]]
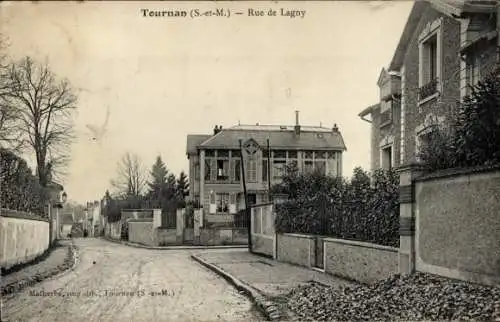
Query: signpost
[[247, 208]]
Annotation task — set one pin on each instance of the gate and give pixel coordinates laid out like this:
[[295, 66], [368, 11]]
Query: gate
[[322, 232]]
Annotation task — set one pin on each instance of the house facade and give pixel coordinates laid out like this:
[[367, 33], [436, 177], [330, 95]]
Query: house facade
[[446, 47], [215, 162]]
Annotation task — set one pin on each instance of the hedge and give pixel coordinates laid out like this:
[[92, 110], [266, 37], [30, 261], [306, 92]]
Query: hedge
[[365, 208]]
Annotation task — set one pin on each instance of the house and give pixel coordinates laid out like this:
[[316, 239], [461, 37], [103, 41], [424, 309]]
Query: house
[[445, 47], [216, 179]]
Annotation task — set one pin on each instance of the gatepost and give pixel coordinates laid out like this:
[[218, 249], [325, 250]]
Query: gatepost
[[180, 225], [407, 219], [198, 220]]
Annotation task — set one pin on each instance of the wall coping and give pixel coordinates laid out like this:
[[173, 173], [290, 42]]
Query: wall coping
[[261, 204], [361, 244], [299, 235], [456, 172], [140, 220], [21, 215]]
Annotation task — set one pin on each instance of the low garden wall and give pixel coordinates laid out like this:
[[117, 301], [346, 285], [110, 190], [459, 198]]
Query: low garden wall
[[113, 230], [296, 249], [359, 261], [458, 225], [223, 236], [141, 231], [165, 236], [23, 237]]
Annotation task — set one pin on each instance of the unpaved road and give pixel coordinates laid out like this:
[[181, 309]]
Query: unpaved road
[[118, 288]]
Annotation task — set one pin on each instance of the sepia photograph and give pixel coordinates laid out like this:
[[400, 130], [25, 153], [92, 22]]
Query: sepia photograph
[[250, 160]]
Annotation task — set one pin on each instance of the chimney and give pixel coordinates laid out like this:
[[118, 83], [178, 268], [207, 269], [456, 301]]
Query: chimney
[[297, 125], [216, 130], [335, 128]]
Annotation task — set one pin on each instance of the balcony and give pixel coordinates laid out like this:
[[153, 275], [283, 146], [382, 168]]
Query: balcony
[[386, 117], [428, 91]]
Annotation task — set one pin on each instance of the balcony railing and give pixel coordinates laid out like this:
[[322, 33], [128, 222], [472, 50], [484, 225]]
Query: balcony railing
[[428, 89], [386, 117]]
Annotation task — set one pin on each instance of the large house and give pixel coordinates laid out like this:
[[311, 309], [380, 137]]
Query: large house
[[215, 162], [446, 46]]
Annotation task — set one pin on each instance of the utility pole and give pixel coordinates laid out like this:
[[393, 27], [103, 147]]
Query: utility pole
[[268, 171], [247, 209]]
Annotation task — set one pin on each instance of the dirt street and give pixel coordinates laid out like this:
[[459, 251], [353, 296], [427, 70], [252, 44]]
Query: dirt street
[[130, 284]]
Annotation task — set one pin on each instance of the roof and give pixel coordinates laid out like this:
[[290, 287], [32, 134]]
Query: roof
[[194, 140], [368, 110], [279, 137], [452, 8]]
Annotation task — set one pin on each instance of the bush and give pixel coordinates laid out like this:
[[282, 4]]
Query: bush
[[365, 208], [473, 135]]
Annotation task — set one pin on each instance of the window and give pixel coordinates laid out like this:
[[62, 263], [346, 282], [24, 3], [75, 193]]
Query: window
[[430, 60], [237, 170], [264, 170], [278, 168], [207, 169], [265, 153], [292, 154], [222, 169], [252, 171], [236, 153], [308, 166], [210, 153], [320, 167], [223, 153], [279, 154], [320, 155], [308, 155], [222, 202], [386, 158], [473, 72], [331, 155]]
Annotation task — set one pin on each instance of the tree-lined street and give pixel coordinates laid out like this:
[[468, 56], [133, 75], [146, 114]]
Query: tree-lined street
[[119, 286]]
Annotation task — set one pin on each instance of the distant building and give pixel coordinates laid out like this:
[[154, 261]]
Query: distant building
[[215, 177]]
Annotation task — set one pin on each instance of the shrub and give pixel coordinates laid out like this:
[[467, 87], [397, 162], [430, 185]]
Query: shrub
[[365, 208], [473, 135]]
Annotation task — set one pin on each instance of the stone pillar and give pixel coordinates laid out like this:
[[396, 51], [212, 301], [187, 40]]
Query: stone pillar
[[180, 225], [197, 225], [407, 251], [157, 218]]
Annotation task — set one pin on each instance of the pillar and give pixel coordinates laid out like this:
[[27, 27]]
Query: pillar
[[198, 221], [180, 225], [157, 219], [407, 205]]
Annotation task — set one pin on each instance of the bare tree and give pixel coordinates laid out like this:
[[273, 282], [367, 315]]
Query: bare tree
[[45, 107], [9, 116], [131, 176]]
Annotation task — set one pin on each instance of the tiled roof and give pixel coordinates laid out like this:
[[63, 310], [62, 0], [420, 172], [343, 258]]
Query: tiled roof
[[321, 138], [194, 140]]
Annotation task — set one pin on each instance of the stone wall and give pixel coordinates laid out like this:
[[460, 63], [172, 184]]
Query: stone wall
[[223, 236], [359, 261], [458, 225], [141, 231], [23, 237], [165, 236], [263, 245], [114, 230], [296, 249]]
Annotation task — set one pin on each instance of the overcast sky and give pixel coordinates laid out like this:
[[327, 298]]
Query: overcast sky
[[164, 78]]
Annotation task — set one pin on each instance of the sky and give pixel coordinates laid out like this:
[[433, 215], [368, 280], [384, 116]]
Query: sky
[[163, 78]]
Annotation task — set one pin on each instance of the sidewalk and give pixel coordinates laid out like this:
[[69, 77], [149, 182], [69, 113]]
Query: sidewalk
[[265, 280], [173, 247], [61, 258]]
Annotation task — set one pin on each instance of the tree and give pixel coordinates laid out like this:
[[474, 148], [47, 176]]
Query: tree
[[182, 189], [130, 179], [9, 116], [44, 107]]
